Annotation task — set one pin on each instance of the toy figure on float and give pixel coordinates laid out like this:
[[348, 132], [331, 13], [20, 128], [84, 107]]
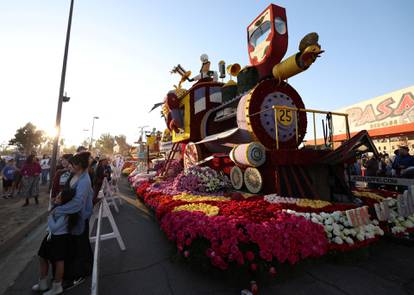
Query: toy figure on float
[[251, 128]]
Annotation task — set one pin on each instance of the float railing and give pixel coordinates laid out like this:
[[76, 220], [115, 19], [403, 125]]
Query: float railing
[[286, 109]]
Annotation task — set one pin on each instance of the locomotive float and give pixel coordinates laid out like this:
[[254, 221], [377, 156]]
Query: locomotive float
[[253, 129]]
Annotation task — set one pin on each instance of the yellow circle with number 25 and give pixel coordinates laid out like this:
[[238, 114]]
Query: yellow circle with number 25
[[285, 117]]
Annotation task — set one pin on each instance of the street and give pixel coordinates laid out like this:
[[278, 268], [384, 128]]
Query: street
[[149, 266]]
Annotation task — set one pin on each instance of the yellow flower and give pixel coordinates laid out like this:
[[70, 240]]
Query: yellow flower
[[369, 195], [207, 209], [312, 203], [192, 198], [248, 195]]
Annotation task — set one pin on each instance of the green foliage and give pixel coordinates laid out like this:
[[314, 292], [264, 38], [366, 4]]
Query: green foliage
[[124, 147], [106, 144], [69, 149], [46, 147], [27, 138]]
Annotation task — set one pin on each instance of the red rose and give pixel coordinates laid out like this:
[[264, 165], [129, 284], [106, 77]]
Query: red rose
[[249, 255]]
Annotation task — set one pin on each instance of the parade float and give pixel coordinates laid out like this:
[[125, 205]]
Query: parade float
[[247, 192]]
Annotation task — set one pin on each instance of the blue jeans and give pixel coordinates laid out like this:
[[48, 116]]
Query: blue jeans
[[45, 173]]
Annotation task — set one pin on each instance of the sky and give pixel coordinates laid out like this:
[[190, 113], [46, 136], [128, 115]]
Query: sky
[[121, 53]]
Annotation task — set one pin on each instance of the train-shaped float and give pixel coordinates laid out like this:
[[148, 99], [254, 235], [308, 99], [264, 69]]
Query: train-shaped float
[[253, 128]]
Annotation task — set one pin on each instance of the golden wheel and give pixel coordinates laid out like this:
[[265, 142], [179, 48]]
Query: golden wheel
[[236, 177], [253, 180]]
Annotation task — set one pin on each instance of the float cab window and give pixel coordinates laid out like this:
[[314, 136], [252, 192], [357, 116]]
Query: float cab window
[[199, 100], [260, 34], [215, 95]]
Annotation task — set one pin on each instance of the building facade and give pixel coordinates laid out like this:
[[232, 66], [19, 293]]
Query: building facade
[[388, 118]]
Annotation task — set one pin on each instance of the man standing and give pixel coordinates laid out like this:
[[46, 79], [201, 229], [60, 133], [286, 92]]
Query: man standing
[[45, 165], [8, 179], [403, 162]]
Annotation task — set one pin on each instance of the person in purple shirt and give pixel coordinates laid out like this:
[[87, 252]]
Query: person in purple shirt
[[8, 179]]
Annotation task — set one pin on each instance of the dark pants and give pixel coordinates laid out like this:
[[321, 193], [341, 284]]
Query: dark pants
[[80, 263], [45, 173]]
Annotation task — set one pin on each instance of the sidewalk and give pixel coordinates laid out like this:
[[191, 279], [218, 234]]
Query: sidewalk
[[148, 266], [17, 221], [21, 230]]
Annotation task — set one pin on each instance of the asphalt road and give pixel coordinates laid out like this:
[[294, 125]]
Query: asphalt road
[[148, 267]]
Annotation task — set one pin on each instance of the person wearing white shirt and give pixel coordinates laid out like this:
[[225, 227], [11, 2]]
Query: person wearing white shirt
[[45, 165]]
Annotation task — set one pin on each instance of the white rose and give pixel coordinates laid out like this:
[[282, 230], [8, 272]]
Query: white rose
[[336, 215], [360, 237], [329, 228], [349, 240], [408, 224], [336, 232], [338, 240], [336, 226], [352, 232]]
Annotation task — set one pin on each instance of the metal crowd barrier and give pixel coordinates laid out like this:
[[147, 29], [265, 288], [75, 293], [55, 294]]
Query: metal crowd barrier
[[106, 195], [95, 271]]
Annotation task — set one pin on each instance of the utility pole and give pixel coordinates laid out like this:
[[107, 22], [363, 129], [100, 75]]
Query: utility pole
[[61, 98], [93, 126]]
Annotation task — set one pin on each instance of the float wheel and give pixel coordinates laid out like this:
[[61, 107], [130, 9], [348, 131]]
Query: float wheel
[[236, 177], [253, 180]]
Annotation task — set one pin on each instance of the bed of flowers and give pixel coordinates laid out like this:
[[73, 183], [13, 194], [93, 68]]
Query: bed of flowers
[[258, 232]]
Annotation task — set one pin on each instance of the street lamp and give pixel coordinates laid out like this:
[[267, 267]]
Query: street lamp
[[62, 98], [142, 133], [93, 126]]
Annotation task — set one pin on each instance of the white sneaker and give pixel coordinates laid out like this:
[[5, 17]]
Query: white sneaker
[[41, 286], [56, 289]]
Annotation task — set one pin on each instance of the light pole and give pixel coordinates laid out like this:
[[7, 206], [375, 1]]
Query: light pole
[[93, 126], [62, 98], [142, 132]]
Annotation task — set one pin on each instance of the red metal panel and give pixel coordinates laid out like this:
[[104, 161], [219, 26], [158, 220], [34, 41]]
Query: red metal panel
[[278, 42]]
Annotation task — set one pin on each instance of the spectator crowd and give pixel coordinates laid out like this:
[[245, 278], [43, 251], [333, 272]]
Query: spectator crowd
[[65, 249], [21, 176], [400, 164]]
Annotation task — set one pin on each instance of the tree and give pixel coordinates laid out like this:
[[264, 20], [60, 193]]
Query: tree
[[27, 138], [69, 149], [122, 144], [46, 147], [106, 144]]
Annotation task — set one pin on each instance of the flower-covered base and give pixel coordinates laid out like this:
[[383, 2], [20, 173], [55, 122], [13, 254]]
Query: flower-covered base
[[259, 232]]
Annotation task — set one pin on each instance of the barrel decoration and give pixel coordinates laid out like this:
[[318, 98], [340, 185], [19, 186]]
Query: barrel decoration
[[236, 177], [251, 154], [192, 155], [253, 180], [260, 115]]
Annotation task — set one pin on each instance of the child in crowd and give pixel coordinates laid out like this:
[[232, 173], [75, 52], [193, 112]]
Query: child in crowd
[[55, 247], [8, 173]]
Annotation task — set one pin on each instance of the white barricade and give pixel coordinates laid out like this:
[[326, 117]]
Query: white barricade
[[111, 193], [107, 195], [95, 271], [106, 213]]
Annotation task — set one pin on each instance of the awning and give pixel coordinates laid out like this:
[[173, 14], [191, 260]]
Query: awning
[[218, 136]]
